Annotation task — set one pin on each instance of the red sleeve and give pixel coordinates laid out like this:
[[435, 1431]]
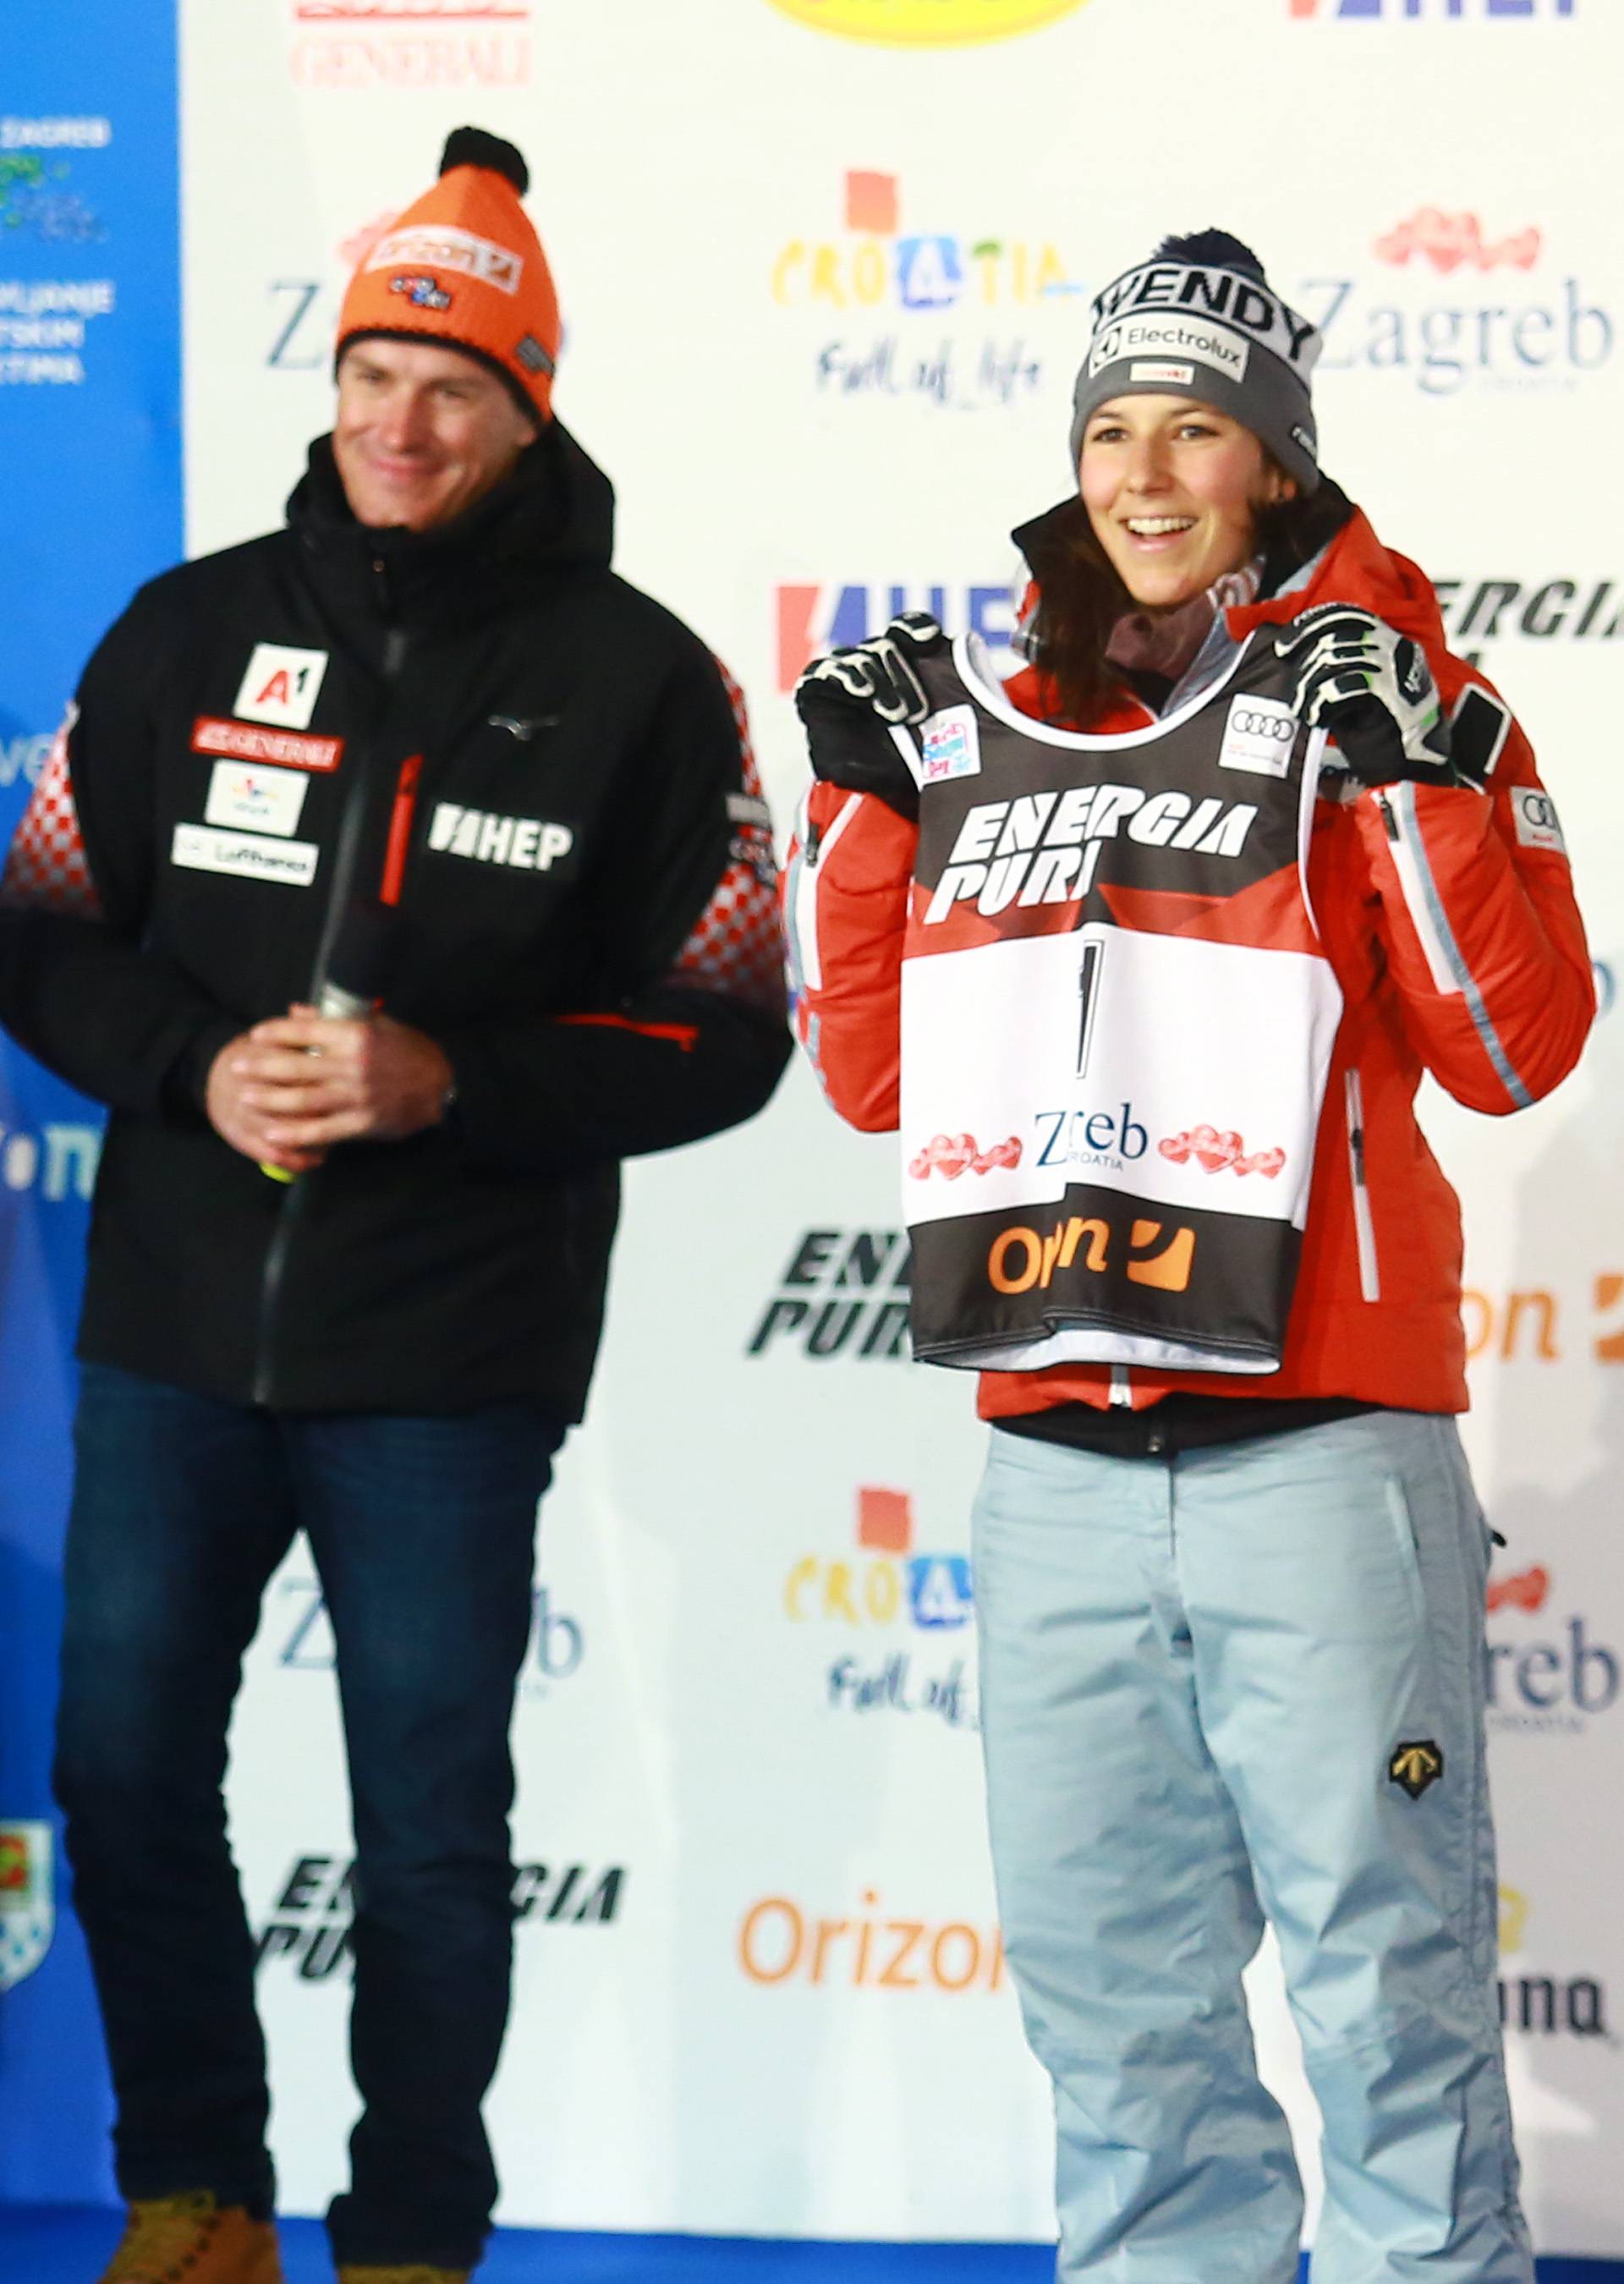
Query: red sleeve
[[1477, 916], [736, 946], [846, 890], [46, 866]]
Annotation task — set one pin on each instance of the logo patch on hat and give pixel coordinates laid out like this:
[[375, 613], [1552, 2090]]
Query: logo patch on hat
[[1182, 337], [1415, 1764], [1176, 376], [534, 356], [423, 293], [443, 247], [1195, 292]]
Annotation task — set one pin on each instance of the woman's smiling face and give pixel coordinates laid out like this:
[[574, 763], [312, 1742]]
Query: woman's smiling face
[[1173, 490]]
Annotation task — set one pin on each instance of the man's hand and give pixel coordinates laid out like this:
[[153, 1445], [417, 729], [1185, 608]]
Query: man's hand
[[284, 1092], [851, 701], [1372, 688]]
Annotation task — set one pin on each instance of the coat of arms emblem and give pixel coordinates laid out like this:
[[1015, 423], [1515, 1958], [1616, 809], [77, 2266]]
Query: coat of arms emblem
[[27, 1900]]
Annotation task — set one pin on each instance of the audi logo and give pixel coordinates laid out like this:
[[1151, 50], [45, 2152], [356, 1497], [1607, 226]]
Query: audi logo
[[1539, 809], [1281, 727]]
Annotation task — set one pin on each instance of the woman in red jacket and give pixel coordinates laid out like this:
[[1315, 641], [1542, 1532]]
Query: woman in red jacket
[[1230, 1569]]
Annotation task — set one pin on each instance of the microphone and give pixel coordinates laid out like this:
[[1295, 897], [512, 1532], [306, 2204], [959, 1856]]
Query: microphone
[[356, 974], [359, 962]]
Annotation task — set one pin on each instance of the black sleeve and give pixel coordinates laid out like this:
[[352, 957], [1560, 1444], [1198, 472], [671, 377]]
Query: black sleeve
[[79, 989], [660, 1059]]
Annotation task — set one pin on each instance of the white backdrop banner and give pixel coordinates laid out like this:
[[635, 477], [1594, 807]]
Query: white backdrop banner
[[824, 266]]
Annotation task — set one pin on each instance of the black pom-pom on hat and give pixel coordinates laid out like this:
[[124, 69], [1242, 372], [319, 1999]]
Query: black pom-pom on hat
[[472, 146], [1213, 249]]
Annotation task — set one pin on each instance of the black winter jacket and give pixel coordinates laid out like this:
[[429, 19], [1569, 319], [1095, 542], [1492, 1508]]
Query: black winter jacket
[[583, 790]]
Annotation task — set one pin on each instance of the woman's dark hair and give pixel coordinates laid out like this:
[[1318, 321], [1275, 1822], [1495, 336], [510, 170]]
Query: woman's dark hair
[[1081, 597]]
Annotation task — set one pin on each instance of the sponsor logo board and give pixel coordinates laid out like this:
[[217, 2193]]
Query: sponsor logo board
[[782, 1943], [40, 198], [842, 1292], [1510, 319], [918, 1606], [813, 617], [45, 321], [1477, 612], [554, 1653], [1546, 1324], [1434, 12], [58, 1163], [44, 326], [1544, 2004], [1547, 1675], [438, 44], [74, 134], [890, 311], [309, 1930], [24, 757], [927, 23], [46, 204]]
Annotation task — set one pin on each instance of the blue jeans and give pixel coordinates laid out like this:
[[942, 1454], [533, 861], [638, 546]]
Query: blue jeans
[[422, 1530], [1245, 1684]]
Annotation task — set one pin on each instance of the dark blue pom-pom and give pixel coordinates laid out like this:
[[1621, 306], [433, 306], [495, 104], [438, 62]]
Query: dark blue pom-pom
[[1213, 249]]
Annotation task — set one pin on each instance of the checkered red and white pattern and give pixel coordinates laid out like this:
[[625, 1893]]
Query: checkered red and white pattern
[[45, 863], [736, 946]]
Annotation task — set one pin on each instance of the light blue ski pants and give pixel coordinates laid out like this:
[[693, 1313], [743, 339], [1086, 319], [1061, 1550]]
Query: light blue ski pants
[[1199, 1679]]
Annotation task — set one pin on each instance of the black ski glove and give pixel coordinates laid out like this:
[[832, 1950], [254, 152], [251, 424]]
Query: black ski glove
[[1372, 688], [851, 700]]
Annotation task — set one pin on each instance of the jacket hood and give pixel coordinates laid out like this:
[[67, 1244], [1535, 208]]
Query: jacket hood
[[1353, 567], [553, 515], [1348, 565]]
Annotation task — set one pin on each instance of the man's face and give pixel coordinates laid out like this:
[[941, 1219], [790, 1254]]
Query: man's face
[[422, 432]]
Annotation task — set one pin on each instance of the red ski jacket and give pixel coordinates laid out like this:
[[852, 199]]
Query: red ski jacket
[[1450, 921]]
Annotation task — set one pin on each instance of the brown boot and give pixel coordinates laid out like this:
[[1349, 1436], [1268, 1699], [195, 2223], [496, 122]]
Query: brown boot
[[415, 2274], [191, 2240]]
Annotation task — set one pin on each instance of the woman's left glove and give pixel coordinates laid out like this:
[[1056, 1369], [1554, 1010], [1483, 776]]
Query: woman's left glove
[[852, 701], [1372, 688]]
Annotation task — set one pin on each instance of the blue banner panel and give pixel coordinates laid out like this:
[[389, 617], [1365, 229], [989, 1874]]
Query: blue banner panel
[[91, 505]]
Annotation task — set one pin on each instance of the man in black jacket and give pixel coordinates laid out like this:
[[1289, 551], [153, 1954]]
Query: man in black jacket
[[397, 875]]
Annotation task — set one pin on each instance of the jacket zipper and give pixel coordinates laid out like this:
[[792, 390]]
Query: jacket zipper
[[1364, 1225], [291, 1205], [1122, 1387]]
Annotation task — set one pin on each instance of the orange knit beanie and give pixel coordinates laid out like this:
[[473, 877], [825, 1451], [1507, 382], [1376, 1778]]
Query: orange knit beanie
[[463, 266]]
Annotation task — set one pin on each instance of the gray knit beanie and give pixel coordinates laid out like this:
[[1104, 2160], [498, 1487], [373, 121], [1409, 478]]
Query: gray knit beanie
[[1200, 319]]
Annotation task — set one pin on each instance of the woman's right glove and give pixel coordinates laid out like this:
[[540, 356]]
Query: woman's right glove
[[852, 702]]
